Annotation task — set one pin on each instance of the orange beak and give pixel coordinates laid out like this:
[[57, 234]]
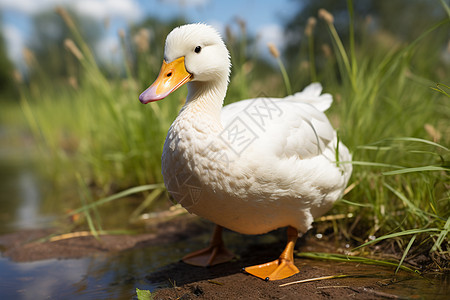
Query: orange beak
[[171, 77]]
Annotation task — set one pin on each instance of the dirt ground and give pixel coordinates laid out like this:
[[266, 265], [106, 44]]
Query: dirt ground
[[227, 281]]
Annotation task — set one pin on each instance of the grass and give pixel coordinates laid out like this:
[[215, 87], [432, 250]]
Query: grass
[[402, 178], [355, 259], [386, 96]]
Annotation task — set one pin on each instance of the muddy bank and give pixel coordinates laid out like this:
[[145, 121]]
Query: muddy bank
[[32, 245], [177, 280]]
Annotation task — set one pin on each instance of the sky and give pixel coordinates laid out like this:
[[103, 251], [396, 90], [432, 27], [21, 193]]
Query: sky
[[264, 18]]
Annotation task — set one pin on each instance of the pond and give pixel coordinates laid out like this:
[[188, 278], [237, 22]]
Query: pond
[[26, 204], [113, 276], [20, 194]]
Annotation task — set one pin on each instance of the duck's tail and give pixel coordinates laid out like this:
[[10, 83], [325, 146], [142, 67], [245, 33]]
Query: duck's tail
[[312, 95]]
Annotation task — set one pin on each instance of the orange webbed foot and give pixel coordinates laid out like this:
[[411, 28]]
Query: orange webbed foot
[[215, 254], [209, 256], [282, 267], [274, 270]]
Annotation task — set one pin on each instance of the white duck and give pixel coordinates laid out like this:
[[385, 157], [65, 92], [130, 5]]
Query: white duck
[[252, 166]]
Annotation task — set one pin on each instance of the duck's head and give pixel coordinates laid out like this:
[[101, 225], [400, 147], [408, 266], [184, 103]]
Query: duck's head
[[193, 52]]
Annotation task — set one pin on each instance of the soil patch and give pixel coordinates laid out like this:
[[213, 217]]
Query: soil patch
[[32, 245]]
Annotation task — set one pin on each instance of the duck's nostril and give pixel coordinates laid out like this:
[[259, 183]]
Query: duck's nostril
[[169, 74]]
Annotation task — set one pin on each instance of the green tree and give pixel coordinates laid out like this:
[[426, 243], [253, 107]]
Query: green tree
[[399, 21], [7, 90], [50, 58]]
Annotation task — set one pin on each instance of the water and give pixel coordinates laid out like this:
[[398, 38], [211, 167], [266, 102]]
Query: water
[[20, 198], [20, 189], [27, 202], [114, 276]]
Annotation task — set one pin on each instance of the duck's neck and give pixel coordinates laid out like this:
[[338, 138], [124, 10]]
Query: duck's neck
[[206, 97]]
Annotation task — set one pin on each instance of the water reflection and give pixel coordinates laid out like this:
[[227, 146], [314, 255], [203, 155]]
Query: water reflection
[[28, 212], [41, 279], [24, 204], [20, 198], [108, 276]]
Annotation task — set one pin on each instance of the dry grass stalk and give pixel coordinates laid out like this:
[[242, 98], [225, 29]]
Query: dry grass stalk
[[273, 50], [29, 57], [326, 49], [326, 16], [351, 187], [433, 132], [121, 33], [70, 45], [311, 23], [73, 82], [229, 34], [17, 76], [335, 217], [70, 236], [314, 279], [142, 40], [66, 17], [242, 25]]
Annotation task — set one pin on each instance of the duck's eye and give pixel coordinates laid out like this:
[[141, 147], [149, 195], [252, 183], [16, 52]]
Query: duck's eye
[[197, 49]]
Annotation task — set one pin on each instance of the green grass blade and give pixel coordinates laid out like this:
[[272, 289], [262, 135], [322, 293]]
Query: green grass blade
[[149, 200], [418, 140], [408, 139], [420, 213], [343, 54], [356, 204], [411, 242], [398, 234], [371, 164], [287, 82], [312, 61], [376, 148], [439, 89], [416, 169], [441, 237], [346, 258], [354, 66], [133, 190], [446, 8], [84, 192]]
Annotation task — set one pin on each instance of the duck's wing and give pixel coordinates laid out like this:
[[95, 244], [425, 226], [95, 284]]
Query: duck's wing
[[312, 95], [291, 126]]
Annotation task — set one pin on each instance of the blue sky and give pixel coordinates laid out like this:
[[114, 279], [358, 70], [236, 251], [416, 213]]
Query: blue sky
[[264, 17]]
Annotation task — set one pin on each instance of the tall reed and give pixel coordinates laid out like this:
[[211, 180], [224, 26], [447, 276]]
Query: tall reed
[[400, 177]]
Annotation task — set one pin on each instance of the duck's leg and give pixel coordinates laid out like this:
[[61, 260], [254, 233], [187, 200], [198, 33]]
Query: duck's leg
[[215, 254], [281, 268]]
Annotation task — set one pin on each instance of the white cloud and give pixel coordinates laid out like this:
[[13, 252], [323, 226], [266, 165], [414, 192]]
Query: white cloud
[[15, 40], [108, 49], [100, 9], [28, 7], [45, 278], [218, 25], [187, 3], [16, 34], [271, 33]]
